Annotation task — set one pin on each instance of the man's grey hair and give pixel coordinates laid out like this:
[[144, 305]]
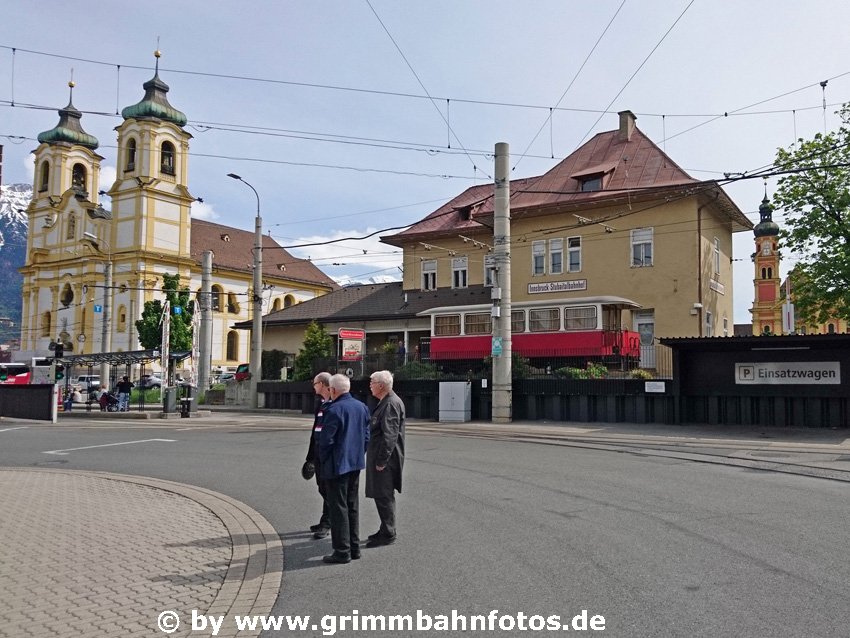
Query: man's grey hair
[[384, 377], [324, 378], [340, 383]]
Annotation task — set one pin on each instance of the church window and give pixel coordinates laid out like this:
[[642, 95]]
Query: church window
[[131, 155], [78, 177], [167, 158], [232, 304], [215, 295], [232, 346], [45, 176], [46, 324], [830, 328], [122, 318], [288, 301], [770, 273], [71, 231], [276, 305], [67, 295]]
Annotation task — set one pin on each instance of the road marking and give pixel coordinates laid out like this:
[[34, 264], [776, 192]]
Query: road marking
[[23, 427], [91, 447]]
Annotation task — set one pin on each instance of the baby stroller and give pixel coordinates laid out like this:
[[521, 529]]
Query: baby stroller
[[108, 402]]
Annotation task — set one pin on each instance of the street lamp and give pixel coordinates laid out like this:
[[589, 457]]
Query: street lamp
[[257, 297], [106, 334]]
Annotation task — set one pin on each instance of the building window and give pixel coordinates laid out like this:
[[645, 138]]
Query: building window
[[232, 304], [543, 320], [446, 325], [581, 318], [716, 256], [122, 318], [288, 301], [46, 324], [538, 258], [574, 253], [66, 297], [709, 325], [232, 346], [429, 274], [556, 256], [131, 155], [71, 229], [276, 305], [642, 247], [591, 184], [167, 158], [459, 272], [78, 178], [215, 298], [477, 323], [489, 270], [44, 182], [725, 326], [517, 321], [830, 328]]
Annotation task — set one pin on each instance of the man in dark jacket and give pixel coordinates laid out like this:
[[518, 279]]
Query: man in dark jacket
[[385, 456], [321, 386], [342, 445]]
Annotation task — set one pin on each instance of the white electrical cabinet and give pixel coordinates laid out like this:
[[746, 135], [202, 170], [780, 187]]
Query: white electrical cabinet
[[456, 401]]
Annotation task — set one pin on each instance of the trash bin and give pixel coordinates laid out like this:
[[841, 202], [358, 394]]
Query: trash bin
[[169, 400]]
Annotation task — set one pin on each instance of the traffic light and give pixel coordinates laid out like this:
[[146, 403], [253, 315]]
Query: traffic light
[[60, 372], [59, 351]]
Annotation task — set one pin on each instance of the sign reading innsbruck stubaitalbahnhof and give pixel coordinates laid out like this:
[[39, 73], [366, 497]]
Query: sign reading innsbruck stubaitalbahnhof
[[791, 373]]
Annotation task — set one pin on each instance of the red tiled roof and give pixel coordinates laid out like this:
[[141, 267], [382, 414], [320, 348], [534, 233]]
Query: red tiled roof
[[233, 249]]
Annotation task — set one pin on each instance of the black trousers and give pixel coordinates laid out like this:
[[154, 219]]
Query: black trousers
[[343, 498], [386, 512], [325, 520]]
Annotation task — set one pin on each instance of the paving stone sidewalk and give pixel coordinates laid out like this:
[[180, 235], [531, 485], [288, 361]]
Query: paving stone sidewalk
[[90, 554]]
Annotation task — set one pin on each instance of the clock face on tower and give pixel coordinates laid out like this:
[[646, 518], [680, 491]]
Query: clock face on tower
[[765, 249]]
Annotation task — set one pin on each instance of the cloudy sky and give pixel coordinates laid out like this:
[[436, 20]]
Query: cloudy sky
[[349, 117]]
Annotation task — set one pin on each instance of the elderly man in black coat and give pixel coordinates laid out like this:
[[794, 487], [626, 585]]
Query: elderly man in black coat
[[385, 455]]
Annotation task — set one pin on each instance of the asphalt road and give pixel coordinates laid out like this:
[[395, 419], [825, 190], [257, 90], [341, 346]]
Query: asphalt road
[[659, 546]]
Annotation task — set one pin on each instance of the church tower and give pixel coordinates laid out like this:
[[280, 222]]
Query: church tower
[[150, 198], [766, 311], [63, 209]]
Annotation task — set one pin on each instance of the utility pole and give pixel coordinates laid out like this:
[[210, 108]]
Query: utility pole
[[501, 293], [106, 338], [205, 340]]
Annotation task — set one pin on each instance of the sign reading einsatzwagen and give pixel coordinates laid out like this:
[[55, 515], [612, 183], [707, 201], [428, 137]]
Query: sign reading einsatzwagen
[[788, 373]]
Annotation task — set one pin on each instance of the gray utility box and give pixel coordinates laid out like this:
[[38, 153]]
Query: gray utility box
[[456, 401]]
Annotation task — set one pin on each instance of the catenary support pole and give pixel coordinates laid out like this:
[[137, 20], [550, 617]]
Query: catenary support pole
[[501, 351], [205, 338]]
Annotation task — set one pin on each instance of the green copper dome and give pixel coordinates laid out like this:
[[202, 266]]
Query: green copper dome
[[69, 130], [155, 104], [766, 226]]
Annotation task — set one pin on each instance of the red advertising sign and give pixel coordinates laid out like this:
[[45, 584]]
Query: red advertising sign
[[350, 333]]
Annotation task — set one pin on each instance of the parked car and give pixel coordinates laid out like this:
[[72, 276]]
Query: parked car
[[88, 382], [148, 381], [243, 372], [226, 376]]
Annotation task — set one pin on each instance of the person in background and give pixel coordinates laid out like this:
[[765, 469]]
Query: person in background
[[385, 456], [124, 387], [342, 447], [321, 386]]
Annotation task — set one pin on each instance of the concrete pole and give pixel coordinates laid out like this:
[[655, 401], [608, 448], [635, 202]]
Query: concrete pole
[[205, 338], [502, 388], [257, 326], [106, 338]]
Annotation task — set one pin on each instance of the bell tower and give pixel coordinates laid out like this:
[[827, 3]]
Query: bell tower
[[766, 311], [150, 198]]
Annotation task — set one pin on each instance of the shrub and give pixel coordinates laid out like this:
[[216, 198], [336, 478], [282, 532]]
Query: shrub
[[592, 371], [640, 373], [417, 370]]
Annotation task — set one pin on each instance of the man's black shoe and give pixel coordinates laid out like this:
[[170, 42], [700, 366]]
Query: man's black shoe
[[378, 534], [355, 554], [336, 558], [381, 541], [321, 533], [316, 528]]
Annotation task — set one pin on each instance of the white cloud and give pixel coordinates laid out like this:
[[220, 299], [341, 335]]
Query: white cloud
[[29, 166], [200, 210], [107, 177]]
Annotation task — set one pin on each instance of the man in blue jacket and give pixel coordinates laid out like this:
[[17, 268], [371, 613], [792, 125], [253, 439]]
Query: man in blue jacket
[[342, 450]]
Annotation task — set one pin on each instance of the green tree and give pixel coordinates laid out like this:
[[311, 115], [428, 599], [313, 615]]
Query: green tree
[[317, 344], [816, 202], [149, 326]]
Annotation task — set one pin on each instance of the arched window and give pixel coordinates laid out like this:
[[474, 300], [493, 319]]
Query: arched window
[[167, 158], [215, 295], [276, 305], [78, 178], [122, 318], [44, 182], [46, 327], [232, 304], [232, 346], [71, 230], [288, 301], [830, 328], [131, 155], [66, 297], [764, 273], [770, 273]]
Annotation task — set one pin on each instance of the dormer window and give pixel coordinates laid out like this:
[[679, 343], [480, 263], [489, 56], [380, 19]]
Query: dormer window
[[589, 184]]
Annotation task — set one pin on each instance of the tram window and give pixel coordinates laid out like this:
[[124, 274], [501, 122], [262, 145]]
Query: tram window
[[477, 323], [581, 318], [543, 320], [517, 321], [446, 325]]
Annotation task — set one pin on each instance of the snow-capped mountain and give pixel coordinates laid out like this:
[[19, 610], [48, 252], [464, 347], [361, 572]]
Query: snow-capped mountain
[[14, 200]]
